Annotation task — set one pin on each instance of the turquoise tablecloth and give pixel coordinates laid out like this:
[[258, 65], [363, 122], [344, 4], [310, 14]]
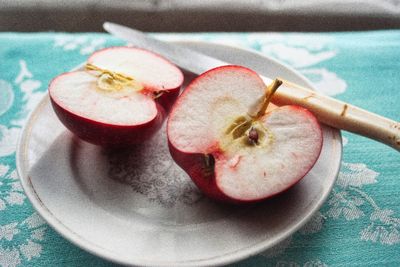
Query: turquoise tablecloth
[[359, 225]]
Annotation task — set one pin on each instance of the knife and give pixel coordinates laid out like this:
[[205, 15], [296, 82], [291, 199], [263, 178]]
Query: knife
[[328, 110]]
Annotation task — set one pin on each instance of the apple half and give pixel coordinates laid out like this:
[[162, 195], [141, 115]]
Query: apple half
[[121, 97], [234, 148]]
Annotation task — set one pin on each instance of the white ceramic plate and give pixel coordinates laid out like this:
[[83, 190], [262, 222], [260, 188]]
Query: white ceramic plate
[[137, 207]]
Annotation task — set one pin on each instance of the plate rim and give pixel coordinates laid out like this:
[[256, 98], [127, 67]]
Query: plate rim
[[101, 252]]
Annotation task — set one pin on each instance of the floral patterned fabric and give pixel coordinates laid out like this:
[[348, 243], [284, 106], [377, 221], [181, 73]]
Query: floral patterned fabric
[[358, 225]]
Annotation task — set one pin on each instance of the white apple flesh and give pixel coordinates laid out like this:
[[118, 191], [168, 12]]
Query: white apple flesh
[[235, 160], [121, 98]]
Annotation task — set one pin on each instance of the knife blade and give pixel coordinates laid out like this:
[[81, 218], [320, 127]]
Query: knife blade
[[328, 110], [185, 58]]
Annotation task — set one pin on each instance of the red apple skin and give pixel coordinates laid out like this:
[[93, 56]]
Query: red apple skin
[[109, 135], [194, 165]]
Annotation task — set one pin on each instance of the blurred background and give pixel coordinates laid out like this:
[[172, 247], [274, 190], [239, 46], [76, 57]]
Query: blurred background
[[200, 15]]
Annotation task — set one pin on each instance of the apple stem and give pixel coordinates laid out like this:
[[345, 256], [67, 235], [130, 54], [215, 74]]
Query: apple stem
[[269, 92], [209, 164], [157, 94]]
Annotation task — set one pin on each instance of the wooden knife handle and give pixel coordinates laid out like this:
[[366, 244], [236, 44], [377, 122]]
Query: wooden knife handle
[[340, 115]]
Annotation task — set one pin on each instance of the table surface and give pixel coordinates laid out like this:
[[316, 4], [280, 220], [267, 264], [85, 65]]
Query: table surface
[[359, 225]]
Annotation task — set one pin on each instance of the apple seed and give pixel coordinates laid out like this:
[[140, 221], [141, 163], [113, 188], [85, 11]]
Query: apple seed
[[271, 89], [253, 135]]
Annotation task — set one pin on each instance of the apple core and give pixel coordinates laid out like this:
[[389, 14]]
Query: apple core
[[247, 130], [113, 81]]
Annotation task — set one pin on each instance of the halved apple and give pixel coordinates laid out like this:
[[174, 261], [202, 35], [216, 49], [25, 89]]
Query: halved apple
[[220, 133], [120, 98]]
